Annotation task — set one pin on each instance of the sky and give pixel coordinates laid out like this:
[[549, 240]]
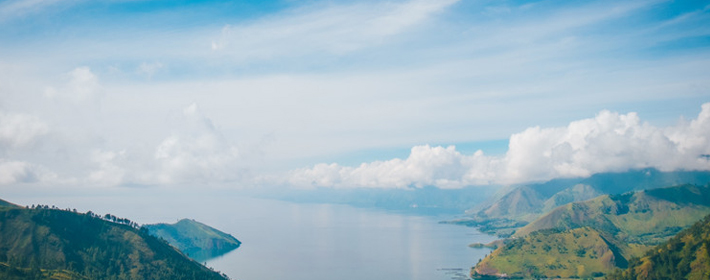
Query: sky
[[120, 94]]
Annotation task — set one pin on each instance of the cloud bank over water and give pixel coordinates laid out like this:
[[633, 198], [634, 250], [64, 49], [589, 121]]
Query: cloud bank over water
[[609, 142]]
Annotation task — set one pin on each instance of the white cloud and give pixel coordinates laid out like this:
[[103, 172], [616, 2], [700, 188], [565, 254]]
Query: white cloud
[[196, 152], [18, 130], [149, 69], [15, 171], [606, 143], [81, 85], [325, 79], [333, 29], [19, 8], [109, 171], [426, 165], [18, 172]]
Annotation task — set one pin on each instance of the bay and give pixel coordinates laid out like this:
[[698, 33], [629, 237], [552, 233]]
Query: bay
[[285, 240]]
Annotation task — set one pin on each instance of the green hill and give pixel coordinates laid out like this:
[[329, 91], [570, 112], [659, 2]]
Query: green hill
[[684, 256], [526, 203], [47, 243], [646, 217], [581, 252], [197, 240], [4, 203], [627, 224]]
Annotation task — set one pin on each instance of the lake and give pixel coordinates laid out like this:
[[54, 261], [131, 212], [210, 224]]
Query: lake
[[285, 240]]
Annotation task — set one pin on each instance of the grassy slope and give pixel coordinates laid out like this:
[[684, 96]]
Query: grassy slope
[[58, 244], [195, 239], [630, 222]]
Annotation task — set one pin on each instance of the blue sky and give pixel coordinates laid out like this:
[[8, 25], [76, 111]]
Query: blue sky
[[248, 93]]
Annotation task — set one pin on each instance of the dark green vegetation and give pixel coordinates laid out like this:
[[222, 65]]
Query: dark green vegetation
[[49, 243], [197, 240], [684, 256], [593, 237], [525, 204]]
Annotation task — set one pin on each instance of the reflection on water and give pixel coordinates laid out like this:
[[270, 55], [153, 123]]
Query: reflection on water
[[283, 240], [322, 241], [204, 255]]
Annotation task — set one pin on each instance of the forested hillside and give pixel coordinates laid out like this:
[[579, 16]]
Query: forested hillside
[[684, 256], [49, 243]]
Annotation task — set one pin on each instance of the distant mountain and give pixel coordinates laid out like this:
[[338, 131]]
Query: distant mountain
[[195, 239], [427, 200], [48, 243], [593, 237], [684, 256], [524, 204]]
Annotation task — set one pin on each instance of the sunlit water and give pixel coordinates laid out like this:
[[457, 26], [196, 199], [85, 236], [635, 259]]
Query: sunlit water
[[283, 240]]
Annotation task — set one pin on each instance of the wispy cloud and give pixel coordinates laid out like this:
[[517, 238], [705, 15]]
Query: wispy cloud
[[332, 29], [20, 8]]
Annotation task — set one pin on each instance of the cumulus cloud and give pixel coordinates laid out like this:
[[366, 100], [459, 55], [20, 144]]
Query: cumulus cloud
[[426, 165], [81, 85], [18, 130], [109, 168], [608, 142], [196, 152], [15, 172]]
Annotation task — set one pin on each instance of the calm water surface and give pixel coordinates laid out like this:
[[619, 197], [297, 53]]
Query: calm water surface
[[283, 240]]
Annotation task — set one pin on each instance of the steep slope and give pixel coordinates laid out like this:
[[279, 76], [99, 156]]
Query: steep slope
[[195, 239], [45, 243], [685, 256], [629, 224]]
